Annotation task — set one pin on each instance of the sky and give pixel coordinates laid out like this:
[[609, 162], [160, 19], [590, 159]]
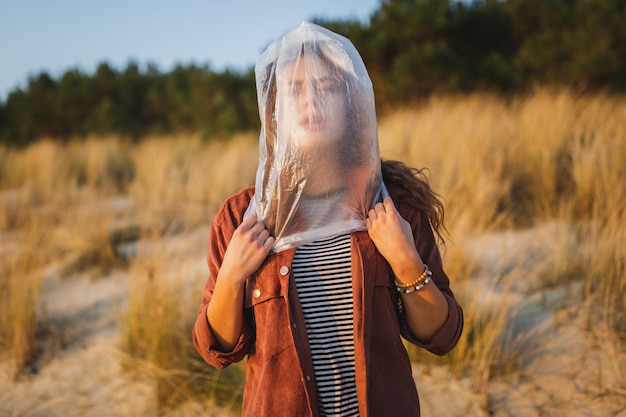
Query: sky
[[58, 35]]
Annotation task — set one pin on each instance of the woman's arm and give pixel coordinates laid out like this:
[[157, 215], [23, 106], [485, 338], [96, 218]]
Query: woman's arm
[[248, 248], [427, 309]]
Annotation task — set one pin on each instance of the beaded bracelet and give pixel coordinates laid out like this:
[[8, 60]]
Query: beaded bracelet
[[416, 287], [417, 281]]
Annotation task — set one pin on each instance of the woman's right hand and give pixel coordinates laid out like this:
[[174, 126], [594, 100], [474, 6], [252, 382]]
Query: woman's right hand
[[249, 246]]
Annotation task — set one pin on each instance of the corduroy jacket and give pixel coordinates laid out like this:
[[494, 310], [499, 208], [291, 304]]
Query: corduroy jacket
[[279, 372]]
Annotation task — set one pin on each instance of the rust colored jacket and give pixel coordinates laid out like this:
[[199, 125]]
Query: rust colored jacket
[[279, 374]]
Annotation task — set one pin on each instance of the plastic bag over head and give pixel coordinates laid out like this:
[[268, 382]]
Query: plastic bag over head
[[319, 162]]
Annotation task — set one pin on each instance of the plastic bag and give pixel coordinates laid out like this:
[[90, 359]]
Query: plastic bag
[[319, 162]]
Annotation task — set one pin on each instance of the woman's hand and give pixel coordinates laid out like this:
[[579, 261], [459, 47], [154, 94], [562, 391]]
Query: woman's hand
[[249, 246], [394, 239], [426, 310]]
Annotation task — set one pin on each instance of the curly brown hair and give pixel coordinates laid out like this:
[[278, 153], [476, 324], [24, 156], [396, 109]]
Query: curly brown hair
[[411, 186]]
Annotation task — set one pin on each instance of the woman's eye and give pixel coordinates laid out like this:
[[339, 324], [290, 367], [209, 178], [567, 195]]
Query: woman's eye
[[316, 87], [328, 86]]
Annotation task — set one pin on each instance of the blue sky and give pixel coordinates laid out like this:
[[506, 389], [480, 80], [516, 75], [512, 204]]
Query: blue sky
[[56, 35]]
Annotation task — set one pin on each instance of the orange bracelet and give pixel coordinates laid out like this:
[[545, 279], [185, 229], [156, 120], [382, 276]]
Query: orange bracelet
[[417, 287], [418, 281]]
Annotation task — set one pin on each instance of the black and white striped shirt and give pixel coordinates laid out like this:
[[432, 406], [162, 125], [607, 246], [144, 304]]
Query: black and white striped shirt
[[323, 275]]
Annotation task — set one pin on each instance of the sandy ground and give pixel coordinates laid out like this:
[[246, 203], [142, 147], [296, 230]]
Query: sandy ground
[[564, 369]]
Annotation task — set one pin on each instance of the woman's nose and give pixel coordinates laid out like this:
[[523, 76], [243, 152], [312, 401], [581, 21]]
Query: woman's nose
[[310, 96]]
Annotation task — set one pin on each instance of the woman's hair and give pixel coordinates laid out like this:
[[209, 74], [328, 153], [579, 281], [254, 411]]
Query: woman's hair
[[274, 204], [411, 186]]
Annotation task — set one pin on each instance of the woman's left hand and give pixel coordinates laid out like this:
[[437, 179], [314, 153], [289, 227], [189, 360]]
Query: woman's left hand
[[394, 239], [425, 313]]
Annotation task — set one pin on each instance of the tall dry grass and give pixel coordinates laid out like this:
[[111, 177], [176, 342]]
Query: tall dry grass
[[19, 299], [501, 165], [504, 165], [183, 180], [156, 331], [50, 215], [518, 162], [179, 185]]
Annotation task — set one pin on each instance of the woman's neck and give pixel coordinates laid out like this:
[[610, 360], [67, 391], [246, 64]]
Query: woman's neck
[[325, 176]]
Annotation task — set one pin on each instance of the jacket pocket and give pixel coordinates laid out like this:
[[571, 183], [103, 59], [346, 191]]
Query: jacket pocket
[[267, 309], [260, 289]]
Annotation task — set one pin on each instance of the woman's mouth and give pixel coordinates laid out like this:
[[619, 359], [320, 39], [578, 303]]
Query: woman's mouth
[[314, 122]]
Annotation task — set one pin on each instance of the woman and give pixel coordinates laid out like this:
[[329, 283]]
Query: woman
[[317, 270]]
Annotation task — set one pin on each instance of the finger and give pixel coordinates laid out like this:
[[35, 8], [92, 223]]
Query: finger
[[257, 228], [269, 242], [264, 235], [379, 208], [248, 222], [372, 214], [368, 223], [388, 204]]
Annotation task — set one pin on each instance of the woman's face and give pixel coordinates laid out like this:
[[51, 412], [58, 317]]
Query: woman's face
[[311, 105]]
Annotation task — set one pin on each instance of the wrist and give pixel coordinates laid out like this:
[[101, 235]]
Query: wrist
[[409, 270], [417, 284], [232, 275], [229, 283]]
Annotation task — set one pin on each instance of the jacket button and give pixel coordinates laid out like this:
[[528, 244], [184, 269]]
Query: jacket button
[[256, 293], [284, 270]]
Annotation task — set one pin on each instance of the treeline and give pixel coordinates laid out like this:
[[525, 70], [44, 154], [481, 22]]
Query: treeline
[[412, 48], [417, 47], [132, 102]]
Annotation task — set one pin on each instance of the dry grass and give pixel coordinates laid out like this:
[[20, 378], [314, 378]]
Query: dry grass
[[547, 157], [156, 330], [511, 164], [19, 299], [502, 166], [155, 327], [185, 180]]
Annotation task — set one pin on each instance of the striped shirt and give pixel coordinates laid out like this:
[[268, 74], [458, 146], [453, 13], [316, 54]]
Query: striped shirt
[[323, 275]]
